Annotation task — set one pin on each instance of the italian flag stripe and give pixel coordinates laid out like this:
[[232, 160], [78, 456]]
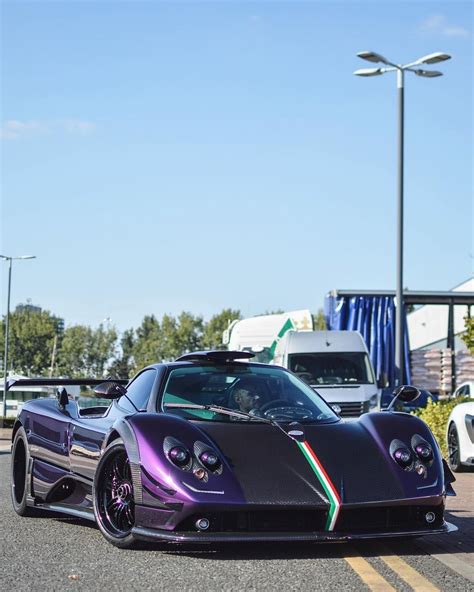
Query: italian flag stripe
[[334, 499]]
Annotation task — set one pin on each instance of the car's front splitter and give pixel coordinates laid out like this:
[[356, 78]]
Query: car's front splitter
[[153, 535]]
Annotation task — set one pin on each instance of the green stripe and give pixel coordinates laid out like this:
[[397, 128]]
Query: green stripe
[[286, 327], [332, 504]]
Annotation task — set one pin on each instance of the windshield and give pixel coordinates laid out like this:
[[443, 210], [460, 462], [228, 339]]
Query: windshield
[[266, 392], [335, 368]]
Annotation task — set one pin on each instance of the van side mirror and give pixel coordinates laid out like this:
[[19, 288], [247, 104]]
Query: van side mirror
[[110, 390]]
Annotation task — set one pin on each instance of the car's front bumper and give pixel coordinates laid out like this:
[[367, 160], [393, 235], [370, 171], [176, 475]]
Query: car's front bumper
[[155, 535]]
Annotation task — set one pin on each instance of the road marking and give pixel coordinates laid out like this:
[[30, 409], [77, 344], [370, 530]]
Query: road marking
[[452, 559], [406, 572], [366, 572]]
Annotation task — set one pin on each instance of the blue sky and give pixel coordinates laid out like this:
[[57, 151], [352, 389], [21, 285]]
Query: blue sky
[[169, 156]]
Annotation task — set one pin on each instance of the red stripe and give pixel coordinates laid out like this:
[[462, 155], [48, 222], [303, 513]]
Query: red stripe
[[320, 466]]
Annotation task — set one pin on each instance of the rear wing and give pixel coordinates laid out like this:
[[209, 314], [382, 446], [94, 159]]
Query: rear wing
[[62, 381]]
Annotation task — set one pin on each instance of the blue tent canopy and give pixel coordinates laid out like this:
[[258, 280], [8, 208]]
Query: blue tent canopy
[[374, 318]]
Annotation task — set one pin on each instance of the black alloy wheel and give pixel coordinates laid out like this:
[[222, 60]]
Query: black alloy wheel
[[114, 505], [454, 457], [19, 474]]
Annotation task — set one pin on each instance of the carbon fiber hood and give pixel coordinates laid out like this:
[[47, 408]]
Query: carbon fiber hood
[[271, 468]]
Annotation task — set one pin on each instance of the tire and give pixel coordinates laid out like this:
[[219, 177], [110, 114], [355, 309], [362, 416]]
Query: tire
[[20, 483], [114, 504], [454, 457]]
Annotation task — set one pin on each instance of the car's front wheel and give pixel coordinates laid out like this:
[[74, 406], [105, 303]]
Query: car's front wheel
[[114, 505], [454, 454]]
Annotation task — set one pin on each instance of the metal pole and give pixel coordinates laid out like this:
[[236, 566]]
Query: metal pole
[[5, 359], [452, 346], [399, 328]]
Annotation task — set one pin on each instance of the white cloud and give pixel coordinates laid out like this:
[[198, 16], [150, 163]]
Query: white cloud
[[14, 129], [438, 24]]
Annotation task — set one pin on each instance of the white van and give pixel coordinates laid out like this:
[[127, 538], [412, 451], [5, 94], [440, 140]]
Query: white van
[[336, 364]]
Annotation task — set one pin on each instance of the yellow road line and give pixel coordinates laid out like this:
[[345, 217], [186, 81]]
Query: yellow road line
[[366, 572], [406, 572]]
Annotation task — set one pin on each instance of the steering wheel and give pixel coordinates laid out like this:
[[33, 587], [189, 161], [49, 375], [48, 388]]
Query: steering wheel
[[279, 409], [275, 403]]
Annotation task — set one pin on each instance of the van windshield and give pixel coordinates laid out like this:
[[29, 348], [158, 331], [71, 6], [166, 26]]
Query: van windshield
[[332, 369]]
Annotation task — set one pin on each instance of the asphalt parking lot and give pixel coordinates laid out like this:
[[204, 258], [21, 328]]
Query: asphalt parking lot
[[61, 553]]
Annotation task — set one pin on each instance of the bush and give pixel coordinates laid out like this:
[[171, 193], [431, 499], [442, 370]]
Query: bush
[[8, 421], [436, 415]]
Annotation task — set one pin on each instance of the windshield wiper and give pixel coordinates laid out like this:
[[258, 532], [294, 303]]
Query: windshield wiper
[[227, 411]]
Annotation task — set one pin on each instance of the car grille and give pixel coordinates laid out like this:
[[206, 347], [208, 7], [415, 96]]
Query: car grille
[[261, 521], [387, 518], [352, 409], [359, 520]]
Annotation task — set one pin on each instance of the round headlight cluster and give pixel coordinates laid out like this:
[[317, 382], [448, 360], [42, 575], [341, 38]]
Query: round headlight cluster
[[417, 457], [200, 460]]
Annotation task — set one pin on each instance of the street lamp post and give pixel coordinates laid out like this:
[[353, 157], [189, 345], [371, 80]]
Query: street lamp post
[[7, 327], [432, 58]]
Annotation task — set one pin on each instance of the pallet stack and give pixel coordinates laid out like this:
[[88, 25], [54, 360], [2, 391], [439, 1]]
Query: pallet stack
[[464, 368], [431, 369], [426, 367]]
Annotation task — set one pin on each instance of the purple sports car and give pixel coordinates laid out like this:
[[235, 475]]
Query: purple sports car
[[214, 448]]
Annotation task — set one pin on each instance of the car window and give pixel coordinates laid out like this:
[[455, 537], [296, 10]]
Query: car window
[[139, 391], [467, 390], [266, 392]]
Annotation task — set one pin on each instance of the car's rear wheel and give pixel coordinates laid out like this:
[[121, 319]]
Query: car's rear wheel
[[19, 474], [114, 505], [454, 455]]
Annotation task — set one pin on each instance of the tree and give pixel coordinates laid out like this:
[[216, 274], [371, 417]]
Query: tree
[[468, 335], [123, 365], [30, 339], [215, 327], [86, 352], [165, 341], [189, 330], [319, 321], [147, 343]]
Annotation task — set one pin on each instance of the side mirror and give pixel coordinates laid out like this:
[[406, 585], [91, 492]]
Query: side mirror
[[110, 390], [405, 393], [62, 397]]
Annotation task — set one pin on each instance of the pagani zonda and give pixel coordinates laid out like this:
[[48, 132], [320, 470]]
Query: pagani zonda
[[209, 448]]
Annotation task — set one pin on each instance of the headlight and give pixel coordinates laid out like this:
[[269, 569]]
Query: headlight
[[403, 456], [422, 449], [179, 456], [210, 460], [424, 452], [374, 401]]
